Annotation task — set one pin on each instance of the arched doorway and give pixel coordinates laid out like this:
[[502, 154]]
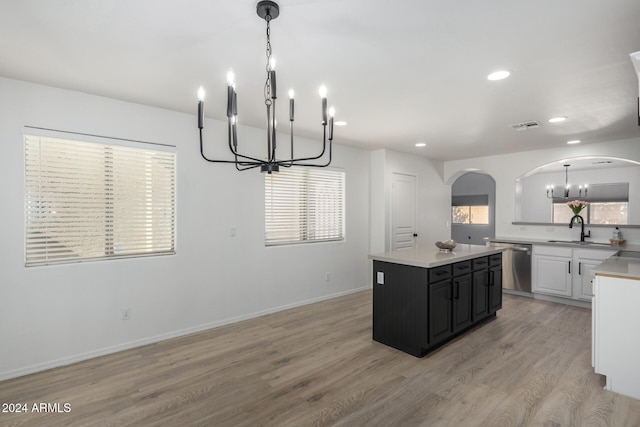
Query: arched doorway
[[473, 201]]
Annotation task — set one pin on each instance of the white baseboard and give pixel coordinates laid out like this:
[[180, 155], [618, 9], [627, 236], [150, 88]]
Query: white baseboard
[[157, 338]]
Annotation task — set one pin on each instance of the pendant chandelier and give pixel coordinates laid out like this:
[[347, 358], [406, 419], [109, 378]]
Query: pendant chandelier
[[567, 187], [268, 10]]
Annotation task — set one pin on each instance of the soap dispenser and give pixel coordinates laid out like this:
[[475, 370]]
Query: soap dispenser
[[617, 234]]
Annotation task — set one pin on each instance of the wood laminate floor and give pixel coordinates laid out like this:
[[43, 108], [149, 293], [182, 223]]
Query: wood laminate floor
[[317, 365]]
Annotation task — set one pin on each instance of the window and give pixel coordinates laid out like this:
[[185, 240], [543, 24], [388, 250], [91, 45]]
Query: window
[[609, 213], [472, 209], [608, 204], [93, 200], [595, 213], [304, 205]]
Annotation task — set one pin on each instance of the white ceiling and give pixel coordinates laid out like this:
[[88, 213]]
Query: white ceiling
[[398, 72]]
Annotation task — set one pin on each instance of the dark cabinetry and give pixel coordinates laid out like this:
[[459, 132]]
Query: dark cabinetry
[[487, 286], [439, 311], [495, 283], [450, 303], [417, 309], [399, 318], [461, 289]]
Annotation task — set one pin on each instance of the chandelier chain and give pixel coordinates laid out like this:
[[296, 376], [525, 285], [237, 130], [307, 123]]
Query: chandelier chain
[[267, 84]]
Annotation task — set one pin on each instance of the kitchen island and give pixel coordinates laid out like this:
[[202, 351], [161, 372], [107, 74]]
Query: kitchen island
[[615, 341], [423, 298]]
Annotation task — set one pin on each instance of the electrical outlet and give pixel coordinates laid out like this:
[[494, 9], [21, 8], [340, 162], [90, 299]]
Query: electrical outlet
[[380, 278], [126, 313], [327, 277]]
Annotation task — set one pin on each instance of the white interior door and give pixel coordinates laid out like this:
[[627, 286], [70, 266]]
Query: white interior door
[[403, 212]]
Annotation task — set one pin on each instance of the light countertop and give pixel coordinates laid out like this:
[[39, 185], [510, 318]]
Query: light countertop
[[432, 257], [619, 266], [567, 243], [625, 264]]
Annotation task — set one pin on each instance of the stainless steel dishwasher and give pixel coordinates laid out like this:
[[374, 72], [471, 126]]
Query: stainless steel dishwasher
[[516, 268]]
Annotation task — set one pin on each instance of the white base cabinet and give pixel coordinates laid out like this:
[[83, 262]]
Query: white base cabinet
[[565, 272], [552, 270], [616, 343]]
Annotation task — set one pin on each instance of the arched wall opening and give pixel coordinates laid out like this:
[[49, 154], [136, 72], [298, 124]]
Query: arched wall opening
[[473, 201]]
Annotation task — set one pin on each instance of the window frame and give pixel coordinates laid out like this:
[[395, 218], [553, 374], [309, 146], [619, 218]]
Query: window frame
[[469, 201], [149, 228], [468, 208], [299, 230], [586, 212]]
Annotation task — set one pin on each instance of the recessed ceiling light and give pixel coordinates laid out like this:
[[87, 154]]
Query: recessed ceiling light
[[574, 141], [420, 144], [340, 123], [499, 75], [557, 119]]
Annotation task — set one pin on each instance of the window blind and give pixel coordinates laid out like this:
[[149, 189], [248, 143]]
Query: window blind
[[304, 205], [88, 201], [605, 192], [470, 200]]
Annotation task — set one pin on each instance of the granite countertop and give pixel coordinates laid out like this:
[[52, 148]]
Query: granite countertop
[[432, 257]]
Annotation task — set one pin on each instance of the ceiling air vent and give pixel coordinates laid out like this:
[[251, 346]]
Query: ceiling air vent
[[525, 125]]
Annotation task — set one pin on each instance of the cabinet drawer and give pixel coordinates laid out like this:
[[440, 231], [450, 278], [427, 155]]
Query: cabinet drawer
[[552, 250], [480, 263], [495, 259], [594, 254], [460, 268], [439, 273]]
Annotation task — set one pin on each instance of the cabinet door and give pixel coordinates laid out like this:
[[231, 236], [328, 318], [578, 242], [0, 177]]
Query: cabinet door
[[584, 278], [439, 311], [495, 288], [585, 261], [399, 306], [553, 275], [480, 294], [462, 309]]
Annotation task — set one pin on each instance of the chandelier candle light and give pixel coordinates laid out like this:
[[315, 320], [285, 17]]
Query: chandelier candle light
[[567, 186], [267, 10]]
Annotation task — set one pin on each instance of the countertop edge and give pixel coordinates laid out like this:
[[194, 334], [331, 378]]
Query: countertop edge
[[618, 267], [598, 245], [389, 257]]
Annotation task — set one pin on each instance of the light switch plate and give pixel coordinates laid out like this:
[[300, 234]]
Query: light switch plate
[[380, 278]]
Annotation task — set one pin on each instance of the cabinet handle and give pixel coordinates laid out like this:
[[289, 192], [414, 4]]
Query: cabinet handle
[[440, 273], [488, 278], [580, 268], [569, 267], [492, 277], [457, 290]]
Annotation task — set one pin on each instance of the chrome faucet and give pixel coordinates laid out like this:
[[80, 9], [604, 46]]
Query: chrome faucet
[[581, 220]]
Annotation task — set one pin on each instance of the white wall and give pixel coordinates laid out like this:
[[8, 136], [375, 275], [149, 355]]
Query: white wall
[[536, 206], [54, 315], [433, 198], [506, 168]]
